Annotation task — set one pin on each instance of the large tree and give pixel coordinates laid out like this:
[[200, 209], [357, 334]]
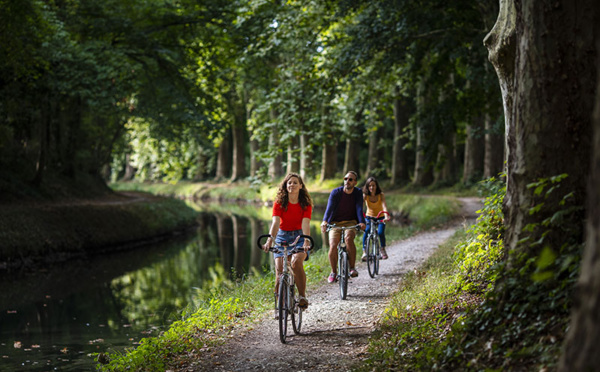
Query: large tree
[[580, 349]]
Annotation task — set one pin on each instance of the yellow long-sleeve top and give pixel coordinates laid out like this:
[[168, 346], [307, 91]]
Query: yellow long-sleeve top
[[374, 208]]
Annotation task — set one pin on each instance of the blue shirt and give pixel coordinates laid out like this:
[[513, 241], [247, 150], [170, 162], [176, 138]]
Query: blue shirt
[[334, 200]]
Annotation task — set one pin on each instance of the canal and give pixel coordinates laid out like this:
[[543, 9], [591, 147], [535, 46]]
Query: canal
[[57, 318]]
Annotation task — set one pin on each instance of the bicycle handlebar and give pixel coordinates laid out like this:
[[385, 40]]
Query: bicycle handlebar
[[275, 248], [384, 212]]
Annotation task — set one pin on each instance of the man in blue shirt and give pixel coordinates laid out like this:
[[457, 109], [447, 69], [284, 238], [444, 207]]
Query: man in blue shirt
[[344, 208]]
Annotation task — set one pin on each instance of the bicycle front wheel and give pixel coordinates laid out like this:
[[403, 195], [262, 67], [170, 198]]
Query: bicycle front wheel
[[296, 311], [370, 251], [283, 308], [343, 273], [377, 255]]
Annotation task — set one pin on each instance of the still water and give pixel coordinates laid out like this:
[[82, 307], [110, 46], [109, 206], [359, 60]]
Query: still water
[[55, 319]]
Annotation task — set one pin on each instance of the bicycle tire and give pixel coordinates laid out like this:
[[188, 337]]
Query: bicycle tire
[[283, 310], [370, 256], [377, 255], [344, 274], [296, 311]]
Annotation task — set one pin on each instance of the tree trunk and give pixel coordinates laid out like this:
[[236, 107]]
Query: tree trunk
[[447, 172], [275, 167], [352, 156], [306, 157], [494, 150], [224, 157], [293, 165], [474, 156], [372, 159], [582, 340], [239, 149], [423, 170], [254, 162], [329, 159], [399, 158], [550, 123], [42, 159]]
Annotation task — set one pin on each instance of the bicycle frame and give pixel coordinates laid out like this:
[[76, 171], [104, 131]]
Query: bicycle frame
[[343, 271], [372, 246], [286, 301]]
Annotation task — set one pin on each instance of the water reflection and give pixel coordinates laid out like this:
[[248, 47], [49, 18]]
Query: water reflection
[[55, 318]]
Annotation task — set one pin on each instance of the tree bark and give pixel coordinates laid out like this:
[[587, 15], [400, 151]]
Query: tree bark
[[399, 157], [582, 340], [550, 121]]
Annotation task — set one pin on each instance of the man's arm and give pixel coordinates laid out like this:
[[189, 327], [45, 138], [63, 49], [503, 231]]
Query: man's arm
[[359, 207]]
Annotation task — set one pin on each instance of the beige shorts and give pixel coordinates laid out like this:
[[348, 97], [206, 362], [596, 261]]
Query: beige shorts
[[337, 233]]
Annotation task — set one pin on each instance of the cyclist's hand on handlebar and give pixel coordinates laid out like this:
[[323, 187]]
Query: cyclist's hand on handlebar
[[323, 226], [267, 244], [362, 226]]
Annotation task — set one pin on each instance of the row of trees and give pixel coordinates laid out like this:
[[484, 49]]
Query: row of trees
[[249, 88]]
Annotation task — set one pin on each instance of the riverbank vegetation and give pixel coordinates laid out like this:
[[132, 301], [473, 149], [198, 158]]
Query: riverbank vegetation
[[42, 232]]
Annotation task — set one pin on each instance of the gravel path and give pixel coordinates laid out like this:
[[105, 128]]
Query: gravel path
[[335, 333]]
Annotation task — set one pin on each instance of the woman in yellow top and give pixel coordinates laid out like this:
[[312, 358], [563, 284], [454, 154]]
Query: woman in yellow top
[[375, 201]]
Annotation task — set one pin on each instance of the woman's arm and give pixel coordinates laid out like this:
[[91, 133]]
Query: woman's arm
[[306, 230], [273, 232]]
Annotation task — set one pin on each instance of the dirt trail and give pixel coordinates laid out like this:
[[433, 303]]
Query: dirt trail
[[335, 333]]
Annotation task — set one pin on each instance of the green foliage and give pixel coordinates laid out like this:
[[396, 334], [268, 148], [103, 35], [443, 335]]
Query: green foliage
[[484, 246], [490, 313]]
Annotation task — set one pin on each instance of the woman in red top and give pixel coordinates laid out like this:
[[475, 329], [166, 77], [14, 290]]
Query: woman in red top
[[292, 211]]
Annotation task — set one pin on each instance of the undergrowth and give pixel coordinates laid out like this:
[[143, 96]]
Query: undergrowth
[[468, 310]]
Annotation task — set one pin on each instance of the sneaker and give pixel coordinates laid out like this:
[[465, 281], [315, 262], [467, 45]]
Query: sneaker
[[353, 273], [331, 278], [384, 255], [302, 302], [364, 257]]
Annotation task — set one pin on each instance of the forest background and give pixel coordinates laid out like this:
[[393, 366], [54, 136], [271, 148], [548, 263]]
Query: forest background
[[403, 90], [172, 90]]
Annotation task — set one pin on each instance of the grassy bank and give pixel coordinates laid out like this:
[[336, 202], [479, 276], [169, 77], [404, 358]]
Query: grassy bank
[[223, 306], [36, 232]]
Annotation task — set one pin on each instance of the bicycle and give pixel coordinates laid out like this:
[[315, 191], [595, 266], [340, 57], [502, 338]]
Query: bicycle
[[343, 267], [372, 248], [287, 303]]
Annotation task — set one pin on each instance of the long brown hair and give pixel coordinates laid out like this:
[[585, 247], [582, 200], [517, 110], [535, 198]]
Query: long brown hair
[[282, 193], [365, 189]]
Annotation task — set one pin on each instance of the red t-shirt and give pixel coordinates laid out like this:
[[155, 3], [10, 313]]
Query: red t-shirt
[[292, 218]]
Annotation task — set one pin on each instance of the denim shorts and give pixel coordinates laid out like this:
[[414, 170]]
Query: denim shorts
[[289, 237]]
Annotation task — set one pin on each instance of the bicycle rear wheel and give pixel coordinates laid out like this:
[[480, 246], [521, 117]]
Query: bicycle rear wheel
[[370, 256], [295, 311], [283, 308], [343, 273]]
